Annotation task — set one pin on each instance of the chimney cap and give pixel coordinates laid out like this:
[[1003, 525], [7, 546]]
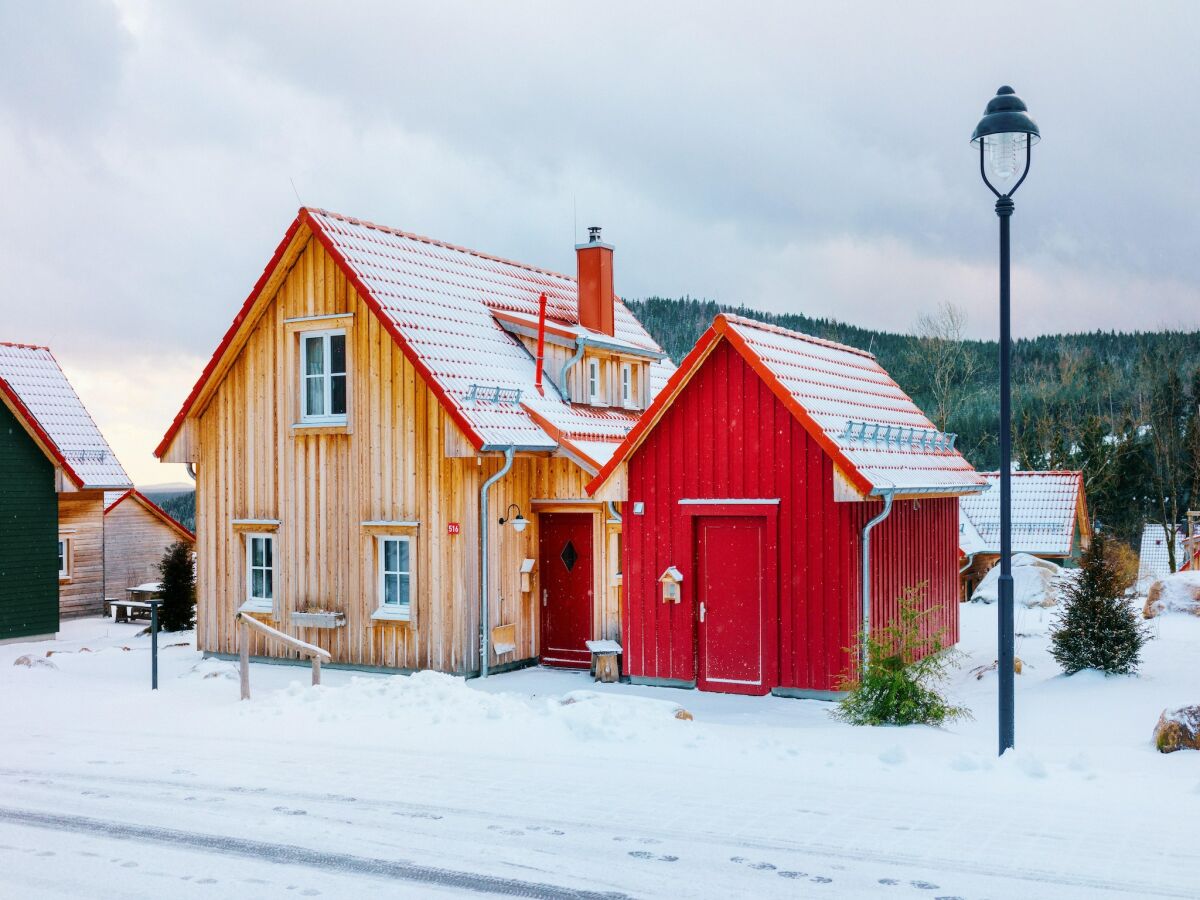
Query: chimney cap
[[594, 239]]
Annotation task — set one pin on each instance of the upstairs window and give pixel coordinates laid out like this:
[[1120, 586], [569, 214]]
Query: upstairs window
[[323, 377], [593, 381], [626, 385]]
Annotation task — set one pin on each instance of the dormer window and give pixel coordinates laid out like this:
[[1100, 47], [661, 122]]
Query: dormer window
[[323, 377], [593, 381], [627, 385]]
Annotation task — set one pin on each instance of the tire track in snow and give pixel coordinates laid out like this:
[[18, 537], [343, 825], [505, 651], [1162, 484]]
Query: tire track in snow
[[290, 854]]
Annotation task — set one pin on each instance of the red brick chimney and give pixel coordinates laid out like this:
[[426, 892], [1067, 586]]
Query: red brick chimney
[[595, 268]]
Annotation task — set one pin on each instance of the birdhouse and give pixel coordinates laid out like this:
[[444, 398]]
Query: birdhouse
[[526, 575], [671, 579]]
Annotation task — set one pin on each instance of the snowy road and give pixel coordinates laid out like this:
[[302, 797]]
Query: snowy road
[[539, 786]]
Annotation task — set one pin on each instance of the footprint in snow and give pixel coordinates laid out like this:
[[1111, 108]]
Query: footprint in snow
[[545, 830], [129, 864], [815, 879], [206, 881], [511, 832], [761, 866], [646, 854], [924, 885], [291, 812], [416, 815], [621, 838]]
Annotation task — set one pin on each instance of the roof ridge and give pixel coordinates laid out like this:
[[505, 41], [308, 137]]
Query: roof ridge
[[799, 335], [459, 248], [996, 472], [24, 346]]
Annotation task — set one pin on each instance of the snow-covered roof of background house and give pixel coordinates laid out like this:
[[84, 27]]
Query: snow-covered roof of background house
[[440, 303], [39, 393], [1045, 514], [844, 398], [1153, 560]]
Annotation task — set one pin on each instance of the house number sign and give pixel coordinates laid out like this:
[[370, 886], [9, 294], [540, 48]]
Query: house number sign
[[453, 528]]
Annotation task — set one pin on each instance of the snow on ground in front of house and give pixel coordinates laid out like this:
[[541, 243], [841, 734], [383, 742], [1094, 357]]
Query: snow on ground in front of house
[[545, 784]]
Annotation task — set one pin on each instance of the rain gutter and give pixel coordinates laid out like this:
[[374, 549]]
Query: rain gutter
[[485, 633]]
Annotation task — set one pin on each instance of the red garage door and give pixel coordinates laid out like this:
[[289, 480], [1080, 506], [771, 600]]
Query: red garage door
[[736, 628]]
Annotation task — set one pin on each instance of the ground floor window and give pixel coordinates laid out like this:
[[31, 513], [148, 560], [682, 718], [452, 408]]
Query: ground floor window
[[64, 558], [260, 573], [395, 578]]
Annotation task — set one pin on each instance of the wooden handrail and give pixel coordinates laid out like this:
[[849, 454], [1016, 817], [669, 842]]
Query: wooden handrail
[[315, 653]]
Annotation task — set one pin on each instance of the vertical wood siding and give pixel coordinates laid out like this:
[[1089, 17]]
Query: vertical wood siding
[[727, 436], [391, 466], [134, 542]]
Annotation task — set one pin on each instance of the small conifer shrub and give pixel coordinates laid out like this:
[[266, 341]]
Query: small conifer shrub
[[905, 674], [177, 574], [1098, 628]]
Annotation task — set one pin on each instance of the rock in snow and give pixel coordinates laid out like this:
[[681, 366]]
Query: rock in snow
[[1036, 582], [1174, 593], [1178, 729]]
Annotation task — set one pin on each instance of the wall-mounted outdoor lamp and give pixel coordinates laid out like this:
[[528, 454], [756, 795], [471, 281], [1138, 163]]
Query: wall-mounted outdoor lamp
[[518, 522]]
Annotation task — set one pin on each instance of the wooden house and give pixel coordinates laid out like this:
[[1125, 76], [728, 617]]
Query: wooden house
[[54, 469], [1049, 521], [137, 532], [391, 445], [772, 470]]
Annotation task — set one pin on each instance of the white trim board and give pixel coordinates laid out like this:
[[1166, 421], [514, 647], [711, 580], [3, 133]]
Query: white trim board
[[729, 501]]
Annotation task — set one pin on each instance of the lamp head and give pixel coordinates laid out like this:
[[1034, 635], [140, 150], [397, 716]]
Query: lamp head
[[1005, 134]]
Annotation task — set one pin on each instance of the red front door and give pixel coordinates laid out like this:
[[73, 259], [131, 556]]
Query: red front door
[[566, 582], [735, 653]]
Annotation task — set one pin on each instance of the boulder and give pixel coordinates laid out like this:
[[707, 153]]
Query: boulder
[[1174, 593], [1036, 582], [1178, 729]]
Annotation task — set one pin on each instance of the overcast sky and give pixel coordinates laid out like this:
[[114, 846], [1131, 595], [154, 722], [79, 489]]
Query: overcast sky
[[792, 156]]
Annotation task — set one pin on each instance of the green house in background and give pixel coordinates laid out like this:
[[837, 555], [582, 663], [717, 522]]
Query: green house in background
[[54, 468]]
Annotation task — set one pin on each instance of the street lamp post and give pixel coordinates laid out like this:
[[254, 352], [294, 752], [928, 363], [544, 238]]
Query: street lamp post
[[1005, 136]]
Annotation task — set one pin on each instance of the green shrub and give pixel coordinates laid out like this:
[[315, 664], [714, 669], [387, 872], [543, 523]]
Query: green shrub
[[177, 574], [1098, 628], [905, 671]]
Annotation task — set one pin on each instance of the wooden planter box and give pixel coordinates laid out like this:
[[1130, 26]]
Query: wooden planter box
[[318, 618]]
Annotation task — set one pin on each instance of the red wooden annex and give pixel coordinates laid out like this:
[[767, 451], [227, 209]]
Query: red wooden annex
[[748, 484]]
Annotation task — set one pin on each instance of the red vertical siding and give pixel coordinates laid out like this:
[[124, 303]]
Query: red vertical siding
[[728, 436]]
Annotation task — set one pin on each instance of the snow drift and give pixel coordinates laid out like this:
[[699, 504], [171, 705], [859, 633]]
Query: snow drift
[[1174, 593], [1036, 582]]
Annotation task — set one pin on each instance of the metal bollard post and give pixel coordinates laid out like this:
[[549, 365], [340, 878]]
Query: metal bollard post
[[154, 605]]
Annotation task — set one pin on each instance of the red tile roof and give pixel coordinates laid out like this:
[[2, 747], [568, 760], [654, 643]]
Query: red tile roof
[[1044, 514], [35, 386], [826, 386], [438, 302]]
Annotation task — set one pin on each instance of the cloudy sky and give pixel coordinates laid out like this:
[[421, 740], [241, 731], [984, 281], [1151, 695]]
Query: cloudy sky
[[790, 156]]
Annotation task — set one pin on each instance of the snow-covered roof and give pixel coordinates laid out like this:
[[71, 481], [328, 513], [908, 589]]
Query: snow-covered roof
[[38, 391], [845, 399], [1045, 514], [440, 304], [1153, 559]]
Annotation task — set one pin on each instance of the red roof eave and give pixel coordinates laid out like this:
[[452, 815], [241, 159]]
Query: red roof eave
[[32, 424], [154, 509]]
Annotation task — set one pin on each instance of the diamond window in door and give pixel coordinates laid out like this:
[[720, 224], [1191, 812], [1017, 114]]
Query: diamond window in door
[[569, 555]]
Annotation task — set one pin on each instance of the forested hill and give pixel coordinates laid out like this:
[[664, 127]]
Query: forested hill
[[1122, 407]]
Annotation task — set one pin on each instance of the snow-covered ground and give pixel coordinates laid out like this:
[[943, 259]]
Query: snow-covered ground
[[544, 784]]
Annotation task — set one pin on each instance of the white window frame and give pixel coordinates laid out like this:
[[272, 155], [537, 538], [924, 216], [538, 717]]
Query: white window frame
[[593, 380], [64, 564], [627, 385], [259, 604], [394, 612], [326, 378]]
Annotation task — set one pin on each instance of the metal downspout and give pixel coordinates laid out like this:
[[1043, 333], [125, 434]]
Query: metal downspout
[[485, 633], [580, 344], [866, 576], [190, 468], [612, 512]]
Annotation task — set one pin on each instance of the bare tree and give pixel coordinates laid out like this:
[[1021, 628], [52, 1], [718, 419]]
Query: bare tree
[[1164, 412], [946, 359]]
